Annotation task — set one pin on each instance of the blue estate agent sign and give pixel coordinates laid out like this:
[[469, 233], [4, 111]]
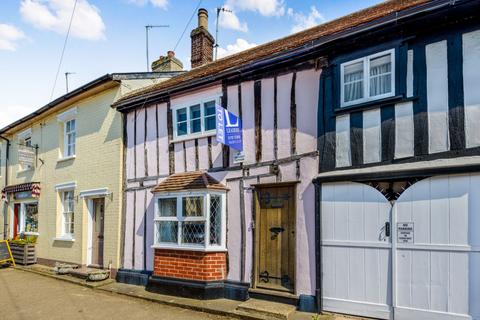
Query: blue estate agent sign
[[229, 129]]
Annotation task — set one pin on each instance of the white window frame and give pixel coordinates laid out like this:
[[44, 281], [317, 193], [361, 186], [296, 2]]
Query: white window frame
[[366, 79], [187, 105], [180, 219], [64, 233], [61, 189], [65, 139], [63, 118]]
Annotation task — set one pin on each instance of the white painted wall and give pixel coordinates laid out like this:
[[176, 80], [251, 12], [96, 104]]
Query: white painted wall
[[437, 96], [372, 136], [342, 141], [404, 136], [471, 80]]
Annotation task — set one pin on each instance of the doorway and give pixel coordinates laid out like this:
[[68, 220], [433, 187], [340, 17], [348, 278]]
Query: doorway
[[275, 238], [98, 215]]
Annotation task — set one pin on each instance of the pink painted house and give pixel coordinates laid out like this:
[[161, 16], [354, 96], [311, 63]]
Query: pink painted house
[[198, 221]]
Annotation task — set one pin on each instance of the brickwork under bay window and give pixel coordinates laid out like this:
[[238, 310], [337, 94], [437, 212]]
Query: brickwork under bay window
[[190, 265]]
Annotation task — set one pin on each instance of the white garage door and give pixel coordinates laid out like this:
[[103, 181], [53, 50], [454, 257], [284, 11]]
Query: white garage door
[[435, 268]]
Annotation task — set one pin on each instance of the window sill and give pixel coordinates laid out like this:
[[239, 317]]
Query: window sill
[[25, 170], [373, 104], [206, 134], [66, 159], [190, 248], [65, 239], [31, 234]]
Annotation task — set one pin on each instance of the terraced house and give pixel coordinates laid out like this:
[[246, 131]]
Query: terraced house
[[61, 170], [357, 189]]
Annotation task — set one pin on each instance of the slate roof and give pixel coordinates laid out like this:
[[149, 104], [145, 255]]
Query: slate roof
[[290, 42], [196, 180]]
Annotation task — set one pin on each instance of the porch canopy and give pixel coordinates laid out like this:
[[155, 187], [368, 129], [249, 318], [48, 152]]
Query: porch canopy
[[34, 187], [196, 180]]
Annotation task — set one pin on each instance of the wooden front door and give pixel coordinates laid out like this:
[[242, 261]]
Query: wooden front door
[[275, 238], [98, 228]]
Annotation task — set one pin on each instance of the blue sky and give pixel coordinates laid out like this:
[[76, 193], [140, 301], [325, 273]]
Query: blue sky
[[109, 36]]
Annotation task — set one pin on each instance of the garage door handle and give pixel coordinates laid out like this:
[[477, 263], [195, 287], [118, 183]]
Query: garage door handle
[[387, 229]]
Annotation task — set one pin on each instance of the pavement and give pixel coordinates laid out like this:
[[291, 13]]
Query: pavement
[[37, 292]]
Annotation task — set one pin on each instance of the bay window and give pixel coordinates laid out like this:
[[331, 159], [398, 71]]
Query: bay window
[[190, 220], [368, 78], [196, 119]]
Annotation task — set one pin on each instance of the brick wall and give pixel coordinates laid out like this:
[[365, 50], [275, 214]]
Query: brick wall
[[190, 265]]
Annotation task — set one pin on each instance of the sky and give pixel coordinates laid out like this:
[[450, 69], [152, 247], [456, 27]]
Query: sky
[[108, 36]]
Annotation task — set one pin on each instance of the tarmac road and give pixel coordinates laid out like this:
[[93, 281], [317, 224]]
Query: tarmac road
[[28, 296]]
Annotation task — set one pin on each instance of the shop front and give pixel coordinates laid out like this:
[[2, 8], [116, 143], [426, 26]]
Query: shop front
[[22, 200]]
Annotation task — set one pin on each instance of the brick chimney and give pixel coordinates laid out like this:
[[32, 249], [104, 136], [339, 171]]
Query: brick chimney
[[167, 63], [202, 41]]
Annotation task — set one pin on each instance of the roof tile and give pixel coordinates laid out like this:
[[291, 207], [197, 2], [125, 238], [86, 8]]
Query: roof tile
[[196, 180]]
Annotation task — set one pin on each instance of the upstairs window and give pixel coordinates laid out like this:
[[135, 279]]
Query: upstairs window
[[26, 151], [368, 78], [70, 137], [68, 120], [195, 120]]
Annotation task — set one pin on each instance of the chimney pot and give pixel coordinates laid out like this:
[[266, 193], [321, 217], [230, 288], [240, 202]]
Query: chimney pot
[[202, 41], [203, 18]]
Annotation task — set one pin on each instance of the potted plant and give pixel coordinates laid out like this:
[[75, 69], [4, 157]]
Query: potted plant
[[23, 249]]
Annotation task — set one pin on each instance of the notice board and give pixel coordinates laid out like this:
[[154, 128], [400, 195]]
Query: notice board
[[5, 252]]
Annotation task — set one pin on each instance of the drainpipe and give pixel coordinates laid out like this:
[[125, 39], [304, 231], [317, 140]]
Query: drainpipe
[[5, 207], [318, 246]]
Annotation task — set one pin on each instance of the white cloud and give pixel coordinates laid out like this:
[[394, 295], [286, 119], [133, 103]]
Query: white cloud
[[264, 7], [54, 15], [11, 114], [303, 21], [229, 20], [9, 37], [162, 4], [239, 45]]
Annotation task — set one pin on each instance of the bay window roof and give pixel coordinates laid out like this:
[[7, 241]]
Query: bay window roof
[[196, 180]]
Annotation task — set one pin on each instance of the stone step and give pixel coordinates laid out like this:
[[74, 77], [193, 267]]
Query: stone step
[[91, 274], [263, 309]]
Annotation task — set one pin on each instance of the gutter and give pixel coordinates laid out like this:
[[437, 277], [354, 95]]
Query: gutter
[[288, 56], [90, 85], [5, 207]]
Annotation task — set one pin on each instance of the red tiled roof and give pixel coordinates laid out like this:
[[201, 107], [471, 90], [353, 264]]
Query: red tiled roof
[[290, 42], [196, 180]]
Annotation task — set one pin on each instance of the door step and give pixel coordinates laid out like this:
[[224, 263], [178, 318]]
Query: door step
[[90, 274], [274, 296], [263, 309]]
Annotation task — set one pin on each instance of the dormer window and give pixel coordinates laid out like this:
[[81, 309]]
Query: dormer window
[[194, 120], [367, 79]]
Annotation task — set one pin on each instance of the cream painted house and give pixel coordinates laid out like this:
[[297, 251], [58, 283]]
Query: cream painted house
[[61, 173]]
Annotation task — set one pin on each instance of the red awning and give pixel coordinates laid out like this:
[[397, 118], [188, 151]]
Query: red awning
[[34, 187]]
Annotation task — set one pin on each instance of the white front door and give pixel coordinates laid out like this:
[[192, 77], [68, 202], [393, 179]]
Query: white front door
[[430, 266]]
